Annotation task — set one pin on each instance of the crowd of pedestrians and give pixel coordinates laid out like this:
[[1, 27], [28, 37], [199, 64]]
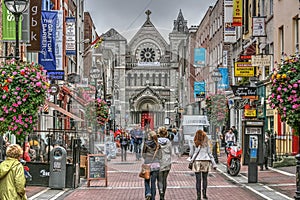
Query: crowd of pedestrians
[[156, 147]]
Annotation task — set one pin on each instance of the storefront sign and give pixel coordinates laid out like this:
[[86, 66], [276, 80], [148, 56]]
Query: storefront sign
[[243, 69], [250, 113], [240, 91]]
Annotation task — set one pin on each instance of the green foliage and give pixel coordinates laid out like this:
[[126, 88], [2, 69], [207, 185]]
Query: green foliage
[[23, 89], [285, 91]]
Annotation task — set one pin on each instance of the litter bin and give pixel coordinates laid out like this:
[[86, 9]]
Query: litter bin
[[58, 161]]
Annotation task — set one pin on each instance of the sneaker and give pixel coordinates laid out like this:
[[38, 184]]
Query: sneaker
[[148, 196]]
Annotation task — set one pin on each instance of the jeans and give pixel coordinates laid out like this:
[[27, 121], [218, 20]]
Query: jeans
[[162, 181], [198, 181], [123, 152], [150, 184], [137, 150]]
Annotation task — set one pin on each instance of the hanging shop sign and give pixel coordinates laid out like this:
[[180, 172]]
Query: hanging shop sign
[[243, 69]]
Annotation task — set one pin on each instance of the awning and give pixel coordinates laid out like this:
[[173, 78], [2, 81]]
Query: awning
[[63, 111]]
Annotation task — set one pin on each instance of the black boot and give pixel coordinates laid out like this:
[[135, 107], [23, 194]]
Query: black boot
[[161, 196], [204, 194], [198, 195]]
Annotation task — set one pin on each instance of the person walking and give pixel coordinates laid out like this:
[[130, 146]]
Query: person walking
[[165, 161], [137, 135], [203, 159], [12, 178], [266, 152], [124, 141], [152, 156]]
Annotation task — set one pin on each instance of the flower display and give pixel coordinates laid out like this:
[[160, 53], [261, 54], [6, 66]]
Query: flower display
[[97, 111], [216, 109], [285, 90], [23, 89]]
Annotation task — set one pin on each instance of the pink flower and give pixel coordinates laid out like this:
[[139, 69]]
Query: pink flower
[[4, 97], [295, 85], [38, 84]]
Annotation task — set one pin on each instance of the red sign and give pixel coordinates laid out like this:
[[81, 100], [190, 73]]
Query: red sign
[[245, 57]]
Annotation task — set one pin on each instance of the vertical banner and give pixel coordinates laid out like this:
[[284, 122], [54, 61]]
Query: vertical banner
[[35, 8], [59, 41], [9, 25], [237, 19], [199, 89], [199, 57], [70, 36], [48, 35], [229, 30], [224, 83]]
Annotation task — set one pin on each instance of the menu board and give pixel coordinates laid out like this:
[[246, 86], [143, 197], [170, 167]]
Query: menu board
[[97, 168]]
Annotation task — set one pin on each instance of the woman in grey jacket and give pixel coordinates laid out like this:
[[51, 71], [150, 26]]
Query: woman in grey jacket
[[203, 159], [152, 156], [165, 161]]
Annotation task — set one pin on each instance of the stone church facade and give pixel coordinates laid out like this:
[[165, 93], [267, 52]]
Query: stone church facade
[[145, 76]]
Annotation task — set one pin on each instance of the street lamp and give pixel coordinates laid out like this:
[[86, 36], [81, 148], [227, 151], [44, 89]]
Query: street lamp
[[16, 7], [216, 77], [94, 74]]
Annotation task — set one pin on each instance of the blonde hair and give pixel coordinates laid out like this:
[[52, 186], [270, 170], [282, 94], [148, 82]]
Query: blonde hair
[[162, 132], [14, 151]]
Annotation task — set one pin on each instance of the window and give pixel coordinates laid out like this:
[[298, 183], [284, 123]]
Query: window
[[281, 39], [296, 33], [142, 79], [271, 7]]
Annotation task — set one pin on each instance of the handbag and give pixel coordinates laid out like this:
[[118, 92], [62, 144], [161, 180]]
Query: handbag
[[145, 171], [190, 166], [146, 168]]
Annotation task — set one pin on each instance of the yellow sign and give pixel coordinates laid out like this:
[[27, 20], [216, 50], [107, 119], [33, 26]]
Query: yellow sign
[[243, 69], [237, 13], [250, 113]]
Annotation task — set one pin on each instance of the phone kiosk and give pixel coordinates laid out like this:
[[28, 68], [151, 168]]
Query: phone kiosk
[[253, 137]]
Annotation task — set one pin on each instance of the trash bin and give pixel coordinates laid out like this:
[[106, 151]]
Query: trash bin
[[58, 162]]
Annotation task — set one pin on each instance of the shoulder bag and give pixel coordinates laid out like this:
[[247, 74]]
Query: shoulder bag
[[146, 168], [192, 161]]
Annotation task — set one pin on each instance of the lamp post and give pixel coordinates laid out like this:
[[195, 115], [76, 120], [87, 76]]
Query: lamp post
[[94, 74], [16, 7], [216, 77]]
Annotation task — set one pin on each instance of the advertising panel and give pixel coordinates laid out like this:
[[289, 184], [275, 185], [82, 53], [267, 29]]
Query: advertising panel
[[35, 23], [199, 89], [224, 83], [237, 13], [9, 25], [229, 30], [199, 57], [258, 28], [243, 69], [70, 36], [47, 37]]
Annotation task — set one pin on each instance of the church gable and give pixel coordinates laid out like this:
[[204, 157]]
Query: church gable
[[147, 92], [148, 33], [112, 34]]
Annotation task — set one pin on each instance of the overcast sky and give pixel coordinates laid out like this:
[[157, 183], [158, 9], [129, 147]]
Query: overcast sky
[[127, 16]]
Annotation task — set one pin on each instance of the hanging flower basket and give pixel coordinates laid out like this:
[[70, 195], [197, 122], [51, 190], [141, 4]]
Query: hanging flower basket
[[285, 91], [97, 112], [216, 109], [23, 89]]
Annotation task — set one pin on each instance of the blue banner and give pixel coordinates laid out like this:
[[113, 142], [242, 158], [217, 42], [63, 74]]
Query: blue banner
[[70, 36], [199, 57], [48, 35], [224, 83], [199, 89]]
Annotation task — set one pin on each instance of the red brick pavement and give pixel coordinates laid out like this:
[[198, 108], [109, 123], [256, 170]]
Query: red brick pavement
[[124, 183]]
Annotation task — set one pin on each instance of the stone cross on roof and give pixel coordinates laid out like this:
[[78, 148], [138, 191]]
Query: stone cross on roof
[[148, 13]]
